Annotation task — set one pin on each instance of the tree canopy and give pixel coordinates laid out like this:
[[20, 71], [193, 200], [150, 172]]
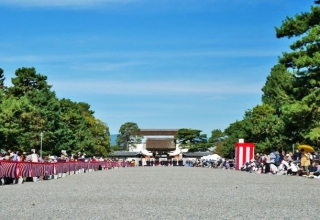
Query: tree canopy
[[29, 107], [128, 135], [289, 113], [192, 139]]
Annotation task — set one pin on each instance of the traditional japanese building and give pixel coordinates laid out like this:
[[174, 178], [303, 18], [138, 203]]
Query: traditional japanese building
[[158, 146]]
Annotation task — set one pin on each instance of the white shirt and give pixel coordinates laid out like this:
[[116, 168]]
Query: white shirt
[[34, 157]]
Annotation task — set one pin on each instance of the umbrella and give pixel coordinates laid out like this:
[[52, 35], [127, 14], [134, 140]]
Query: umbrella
[[306, 148]]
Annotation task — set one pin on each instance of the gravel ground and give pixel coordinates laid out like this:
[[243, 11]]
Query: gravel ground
[[163, 193]]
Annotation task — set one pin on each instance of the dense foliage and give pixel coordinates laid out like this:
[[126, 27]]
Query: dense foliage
[[192, 139], [30, 107], [290, 110], [128, 135]]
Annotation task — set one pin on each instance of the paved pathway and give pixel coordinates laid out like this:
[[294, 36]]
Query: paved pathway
[[164, 193]]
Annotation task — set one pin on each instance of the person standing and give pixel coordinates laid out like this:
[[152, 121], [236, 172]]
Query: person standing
[[297, 155], [316, 157], [76, 156], [305, 161], [272, 156], [23, 156], [277, 159], [267, 163], [34, 156]]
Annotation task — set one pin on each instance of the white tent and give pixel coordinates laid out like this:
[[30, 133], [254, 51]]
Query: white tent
[[211, 157], [175, 152], [145, 152]]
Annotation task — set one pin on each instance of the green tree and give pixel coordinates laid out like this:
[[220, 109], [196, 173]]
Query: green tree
[[267, 128], [260, 125], [3, 88], [75, 134], [217, 139], [2, 79], [29, 108], [302, 114], [234, 132], [27, 79], [192, 139], [17, 118], [34, 87], [128, 135], [277, 90], [101, 136], [216, 136]]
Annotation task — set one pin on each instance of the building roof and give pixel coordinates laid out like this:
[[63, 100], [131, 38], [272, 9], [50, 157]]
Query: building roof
[[196, 154], [158, 132], [160, 144], [124, 154], [160, 139]]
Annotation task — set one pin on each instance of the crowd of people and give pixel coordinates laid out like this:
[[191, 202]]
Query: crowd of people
[[32, 156], [209, 163], [301, 163]]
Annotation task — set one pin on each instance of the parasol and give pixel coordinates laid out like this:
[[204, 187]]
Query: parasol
[[306, 148]]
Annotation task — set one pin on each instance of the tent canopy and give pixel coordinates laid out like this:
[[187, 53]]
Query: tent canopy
[[211, 157]]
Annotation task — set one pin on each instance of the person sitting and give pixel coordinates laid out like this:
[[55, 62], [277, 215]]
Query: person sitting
[[226, 165], [273, 168], [288, 157], [283, 167], [293, 169], [313, 168]]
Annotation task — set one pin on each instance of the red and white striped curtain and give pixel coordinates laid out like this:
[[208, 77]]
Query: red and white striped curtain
[[15, 169], [244, 153]]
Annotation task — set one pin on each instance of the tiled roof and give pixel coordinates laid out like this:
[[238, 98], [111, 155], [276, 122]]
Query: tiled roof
[[196, 154], [160, 144], [124, 154]]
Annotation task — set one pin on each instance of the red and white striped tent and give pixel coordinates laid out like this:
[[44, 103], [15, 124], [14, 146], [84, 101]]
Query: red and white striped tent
[[244, 153]]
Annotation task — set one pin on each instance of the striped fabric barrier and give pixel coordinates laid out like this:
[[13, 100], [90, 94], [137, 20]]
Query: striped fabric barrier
[[42, 169], [15, 169], [26, 169], [244, 153], [8, 169], [72, 166]]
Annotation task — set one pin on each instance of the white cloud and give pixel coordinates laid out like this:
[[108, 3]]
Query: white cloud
[[106, 66], [237, 52], [147, 88]]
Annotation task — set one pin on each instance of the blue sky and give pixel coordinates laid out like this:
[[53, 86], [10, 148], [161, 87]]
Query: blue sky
[[163, 64]]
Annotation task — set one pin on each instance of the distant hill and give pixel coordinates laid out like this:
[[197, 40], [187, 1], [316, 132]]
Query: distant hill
[[113, 139]]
